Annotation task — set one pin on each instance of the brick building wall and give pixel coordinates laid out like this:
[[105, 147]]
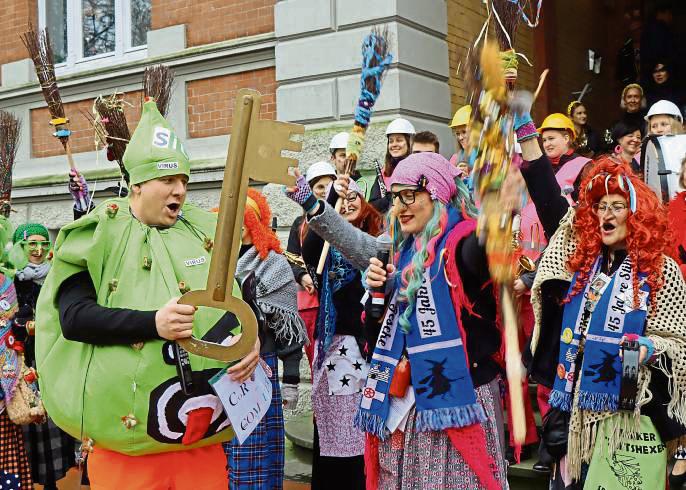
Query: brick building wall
[[15, 16], [465, 20], [210, 100], [82, 139], [210, 21]]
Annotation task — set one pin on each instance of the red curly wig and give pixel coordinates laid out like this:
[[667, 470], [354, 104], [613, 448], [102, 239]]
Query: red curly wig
[[257, 220], [648, 237]]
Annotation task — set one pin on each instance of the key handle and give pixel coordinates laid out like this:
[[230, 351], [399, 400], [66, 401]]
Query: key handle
[[254, 153], [224, 353]]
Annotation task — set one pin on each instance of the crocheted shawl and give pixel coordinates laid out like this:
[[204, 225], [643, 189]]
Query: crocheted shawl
[[665, 326], [276, 294]]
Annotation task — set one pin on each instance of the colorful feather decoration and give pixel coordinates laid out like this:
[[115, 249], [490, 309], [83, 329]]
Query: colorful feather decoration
[[376, 59]]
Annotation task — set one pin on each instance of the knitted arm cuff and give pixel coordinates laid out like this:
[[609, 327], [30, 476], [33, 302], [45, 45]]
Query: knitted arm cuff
[[310, 203], [526, 132]]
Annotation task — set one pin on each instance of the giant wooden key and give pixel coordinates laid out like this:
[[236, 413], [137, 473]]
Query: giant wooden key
[[254, 152]]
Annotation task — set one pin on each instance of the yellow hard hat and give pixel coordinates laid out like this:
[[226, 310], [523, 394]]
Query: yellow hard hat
[[558, 121], [462, 116]]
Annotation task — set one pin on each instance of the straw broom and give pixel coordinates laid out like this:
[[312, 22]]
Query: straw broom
[[38, 45], [157, 83], [375, 61], [10, 128]]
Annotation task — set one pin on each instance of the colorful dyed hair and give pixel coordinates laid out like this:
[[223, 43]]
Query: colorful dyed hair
[[258, 223], [648, 236], [425, 246]]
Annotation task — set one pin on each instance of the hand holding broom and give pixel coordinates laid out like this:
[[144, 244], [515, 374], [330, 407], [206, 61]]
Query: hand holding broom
[[38, 45], [375, 61]]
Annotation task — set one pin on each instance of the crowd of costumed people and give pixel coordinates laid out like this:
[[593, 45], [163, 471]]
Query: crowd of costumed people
[[385, 291]]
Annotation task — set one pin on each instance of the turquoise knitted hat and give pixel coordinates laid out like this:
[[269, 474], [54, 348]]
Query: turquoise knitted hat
[[23, 232]]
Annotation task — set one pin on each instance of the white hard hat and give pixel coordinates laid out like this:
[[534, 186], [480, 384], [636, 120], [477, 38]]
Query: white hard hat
[[339, 141], [664, 107], [320, 169], [400, 126]]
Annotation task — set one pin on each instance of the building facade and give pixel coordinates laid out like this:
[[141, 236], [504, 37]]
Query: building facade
[[302, 55]]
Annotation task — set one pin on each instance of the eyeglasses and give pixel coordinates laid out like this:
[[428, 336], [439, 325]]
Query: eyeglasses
[[615, 208], [36, 244], [406, 196], [351, 196]]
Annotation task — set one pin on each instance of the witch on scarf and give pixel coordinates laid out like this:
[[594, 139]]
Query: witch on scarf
[[606, 278], [439, 329]]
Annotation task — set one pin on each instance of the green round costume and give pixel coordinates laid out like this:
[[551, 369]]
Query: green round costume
[[126, 398]]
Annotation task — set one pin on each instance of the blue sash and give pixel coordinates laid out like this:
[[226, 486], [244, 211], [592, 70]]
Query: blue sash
[[609, 302], [442, 383]]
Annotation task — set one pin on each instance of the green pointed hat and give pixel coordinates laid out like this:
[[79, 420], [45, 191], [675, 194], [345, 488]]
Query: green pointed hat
[[154, 150]]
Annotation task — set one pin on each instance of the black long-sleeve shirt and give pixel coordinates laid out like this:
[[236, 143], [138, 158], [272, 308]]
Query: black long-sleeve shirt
[[84, 320]]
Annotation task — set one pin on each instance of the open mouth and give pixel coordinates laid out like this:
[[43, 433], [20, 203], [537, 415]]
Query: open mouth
[[174, 207], [608, 227]]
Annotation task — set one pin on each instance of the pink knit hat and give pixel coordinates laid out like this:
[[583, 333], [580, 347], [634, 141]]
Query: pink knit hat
[[429, 170]]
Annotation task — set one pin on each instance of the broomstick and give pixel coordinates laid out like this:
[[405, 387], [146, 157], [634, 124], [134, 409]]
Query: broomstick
[[375, 61], [157, 83], [491, 142], [10, 127], [38, 45], [111, 117], [508, 14]]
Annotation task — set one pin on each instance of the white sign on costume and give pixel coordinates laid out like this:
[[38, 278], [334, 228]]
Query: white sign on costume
[[245, 403]]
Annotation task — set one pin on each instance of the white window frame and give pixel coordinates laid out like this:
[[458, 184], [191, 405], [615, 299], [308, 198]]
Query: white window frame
[[75, 62]]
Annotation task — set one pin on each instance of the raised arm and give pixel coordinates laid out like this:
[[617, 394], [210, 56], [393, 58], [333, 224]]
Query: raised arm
[[357, 246], [537, 171], [545, 192]]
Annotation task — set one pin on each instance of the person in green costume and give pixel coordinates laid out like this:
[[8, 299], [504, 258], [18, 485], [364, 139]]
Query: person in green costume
[[107, 317]]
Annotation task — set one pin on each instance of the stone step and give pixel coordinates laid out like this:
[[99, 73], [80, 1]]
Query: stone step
[[300, 430]]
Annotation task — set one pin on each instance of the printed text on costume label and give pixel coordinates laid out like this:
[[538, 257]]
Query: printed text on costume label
[[196, 261]]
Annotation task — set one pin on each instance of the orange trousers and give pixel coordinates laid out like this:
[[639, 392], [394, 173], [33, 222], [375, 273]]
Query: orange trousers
[[198, 469]]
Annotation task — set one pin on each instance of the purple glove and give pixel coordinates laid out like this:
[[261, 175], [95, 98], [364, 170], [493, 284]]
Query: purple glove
[[78, 187], [303, 194]]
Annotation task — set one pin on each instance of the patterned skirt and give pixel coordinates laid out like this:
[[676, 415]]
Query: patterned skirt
[[14, 464], [51, 452], [257, 464], [334, 414], [427, 460]]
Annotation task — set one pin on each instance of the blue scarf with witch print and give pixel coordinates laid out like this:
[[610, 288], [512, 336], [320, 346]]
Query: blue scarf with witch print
[[443, 387], [605, 312]]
